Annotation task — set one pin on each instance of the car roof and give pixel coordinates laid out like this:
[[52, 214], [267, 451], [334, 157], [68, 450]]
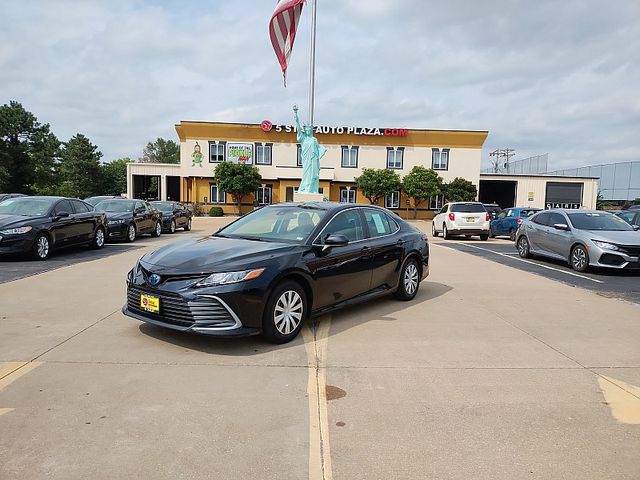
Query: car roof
[[328, 206]]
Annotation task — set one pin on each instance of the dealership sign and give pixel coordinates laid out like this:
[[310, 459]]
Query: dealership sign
[[240, 153], [567, 206], [267, 126]]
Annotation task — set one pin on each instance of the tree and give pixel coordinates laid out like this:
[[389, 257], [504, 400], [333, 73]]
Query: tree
[[28, 152], [459, 190], [161, 151], [80, 168], [378, 183], [420, 184], [237, 179], [114, 176]]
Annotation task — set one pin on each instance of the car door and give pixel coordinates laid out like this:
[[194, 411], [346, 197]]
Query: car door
[[341, 273], [558, 242], [439, 219], [63, 224], [181, 214], [497, 225], [84, 220], [536, 231], [141, 217], [152, 216], [387, 248]]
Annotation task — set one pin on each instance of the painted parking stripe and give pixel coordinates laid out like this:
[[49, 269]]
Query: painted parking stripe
[[532, 263]]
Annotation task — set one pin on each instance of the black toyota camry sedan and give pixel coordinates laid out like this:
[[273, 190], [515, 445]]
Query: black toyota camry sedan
[[271, 269], [174, 215], [128, 219], [38, 225]]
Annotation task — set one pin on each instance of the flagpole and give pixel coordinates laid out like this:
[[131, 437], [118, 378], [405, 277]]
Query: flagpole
[[312, 61]]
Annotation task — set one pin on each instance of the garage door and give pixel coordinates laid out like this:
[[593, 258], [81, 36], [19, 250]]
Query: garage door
[[563, 195]]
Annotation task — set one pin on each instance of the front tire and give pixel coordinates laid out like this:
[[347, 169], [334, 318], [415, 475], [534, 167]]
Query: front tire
[[579, 258], [187, 227], [409, 281], [41, 247], [524, 250], [285, 313], [98, 239], [172, 227], [434, 233], [131, 233], [157, 231]]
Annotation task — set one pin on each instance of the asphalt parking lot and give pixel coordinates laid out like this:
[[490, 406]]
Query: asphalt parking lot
[[491, 372]]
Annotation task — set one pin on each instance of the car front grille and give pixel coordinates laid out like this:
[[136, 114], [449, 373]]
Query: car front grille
[[633, 250], [175, 310]]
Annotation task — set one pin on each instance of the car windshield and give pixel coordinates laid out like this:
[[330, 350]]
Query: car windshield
[[163, 206], [115, 206], [95, 200], [468, 208], [28, 207], [598, 221], [290, 224], [528, 213]]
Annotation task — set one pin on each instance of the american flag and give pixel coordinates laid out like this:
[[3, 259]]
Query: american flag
[[282, 30]]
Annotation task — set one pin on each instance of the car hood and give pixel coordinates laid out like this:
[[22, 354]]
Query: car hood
[[212, 254], [621, 238], [117, 215], [12, 221]]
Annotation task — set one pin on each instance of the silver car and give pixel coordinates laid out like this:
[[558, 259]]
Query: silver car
[[582, 237]]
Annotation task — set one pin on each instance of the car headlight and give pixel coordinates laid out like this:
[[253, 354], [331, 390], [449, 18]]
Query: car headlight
[[225, 278], [15, 231], [116, 222], [605, 245]]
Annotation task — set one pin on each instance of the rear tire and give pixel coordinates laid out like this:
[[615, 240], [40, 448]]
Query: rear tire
[[157, 231], [434, 233], [187, 227], [512, 235], [524, 250], [285, 313], [98, 239], [409, 281], [445, 232], [41, 247], [484, 237], [579, 259], [491, 234]]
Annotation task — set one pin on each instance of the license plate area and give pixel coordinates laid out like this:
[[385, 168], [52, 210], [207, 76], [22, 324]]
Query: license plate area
[[471, 219], [149, 303]]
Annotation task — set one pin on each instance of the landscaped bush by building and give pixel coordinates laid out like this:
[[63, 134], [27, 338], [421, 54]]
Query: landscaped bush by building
[[216, 212]]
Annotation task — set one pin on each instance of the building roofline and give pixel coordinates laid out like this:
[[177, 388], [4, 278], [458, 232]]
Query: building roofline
[[536, 175]]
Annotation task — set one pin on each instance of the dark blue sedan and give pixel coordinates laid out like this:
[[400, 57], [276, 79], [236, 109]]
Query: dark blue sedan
[[508, 221]]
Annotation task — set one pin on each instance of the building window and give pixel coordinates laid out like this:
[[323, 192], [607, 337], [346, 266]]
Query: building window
[[217, 151], [263, 153], [263, 195], [298, 155], [440, 159], [436, 202], [395, 157], [217, 196], [392, 200], [349, 157], [347, 195]]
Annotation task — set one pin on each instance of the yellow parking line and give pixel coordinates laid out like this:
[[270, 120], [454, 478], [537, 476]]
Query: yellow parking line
[[10, 372], [315, 342], [622, 398]]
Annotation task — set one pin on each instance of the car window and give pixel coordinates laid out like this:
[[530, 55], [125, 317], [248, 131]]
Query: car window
[[444, 208], [347, 223], [502, 215], [510, 213], [541, 218], [64, 206], [555, 218], [602, 221], [140, 205], [378, 223], [80, 207], [179, 206], [25, 206], [527, 213], [468, 208], [627, 216], [147, 206]]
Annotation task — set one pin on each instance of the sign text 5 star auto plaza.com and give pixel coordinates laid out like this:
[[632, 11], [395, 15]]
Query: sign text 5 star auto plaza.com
[[267, 126]]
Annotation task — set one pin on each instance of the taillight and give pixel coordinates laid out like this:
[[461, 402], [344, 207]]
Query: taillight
[[487, 218], [452, 217], [518, 220]]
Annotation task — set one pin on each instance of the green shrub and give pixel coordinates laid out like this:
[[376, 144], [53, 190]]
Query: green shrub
[[216, 212]]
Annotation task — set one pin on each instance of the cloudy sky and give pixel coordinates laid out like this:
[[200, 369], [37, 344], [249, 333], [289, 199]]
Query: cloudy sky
[[560, 76]]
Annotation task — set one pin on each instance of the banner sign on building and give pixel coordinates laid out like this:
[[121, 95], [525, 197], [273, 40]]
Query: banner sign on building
[[240, 153], [267, 126]]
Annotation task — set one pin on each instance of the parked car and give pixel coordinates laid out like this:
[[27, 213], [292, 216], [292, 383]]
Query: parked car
[[96, 200], [271, 269], [584, 238], [4, 196], [494, 209], [632, 217], [38, 225], [128, 219], [509, 220], [174, 215], [462, 218]]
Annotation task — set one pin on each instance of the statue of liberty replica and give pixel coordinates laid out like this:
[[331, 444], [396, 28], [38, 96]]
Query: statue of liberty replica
[[311, 153]]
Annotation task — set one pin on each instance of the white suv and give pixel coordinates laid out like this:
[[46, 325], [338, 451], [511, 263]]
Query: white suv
[[462, 218]]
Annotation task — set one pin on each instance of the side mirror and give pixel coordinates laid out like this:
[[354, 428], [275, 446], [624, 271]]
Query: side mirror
[[336, 241], [561, 226], [138, 210]]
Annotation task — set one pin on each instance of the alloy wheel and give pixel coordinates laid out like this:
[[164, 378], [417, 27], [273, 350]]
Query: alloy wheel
[[288, 312], [579, 259], [523, 247], [411, 276], [172, 228], [158, 229], [42, 247], [131, 233], [99, 238]]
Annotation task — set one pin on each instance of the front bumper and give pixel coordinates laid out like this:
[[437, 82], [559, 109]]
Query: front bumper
[[10, 244], [613, 259], [118, 230]]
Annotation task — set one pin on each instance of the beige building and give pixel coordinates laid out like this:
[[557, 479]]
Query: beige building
[[273, 149]]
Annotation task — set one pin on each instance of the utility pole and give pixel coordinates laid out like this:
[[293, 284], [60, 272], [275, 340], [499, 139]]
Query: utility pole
[[502, 156]]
